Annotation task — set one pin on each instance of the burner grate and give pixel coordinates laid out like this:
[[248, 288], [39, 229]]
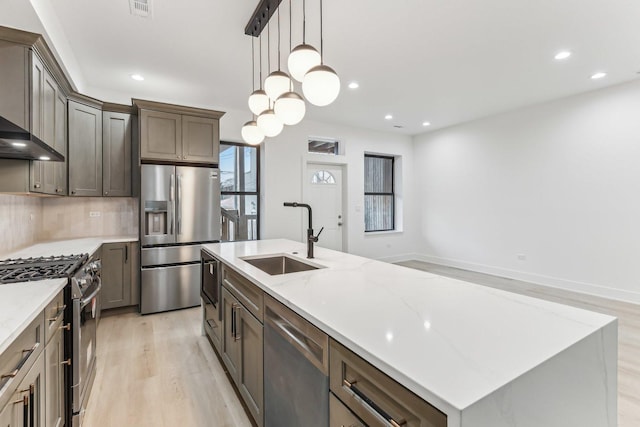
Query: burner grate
[[28, 269]]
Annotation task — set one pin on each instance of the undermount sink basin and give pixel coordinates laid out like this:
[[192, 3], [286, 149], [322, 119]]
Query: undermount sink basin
[[280, 264]]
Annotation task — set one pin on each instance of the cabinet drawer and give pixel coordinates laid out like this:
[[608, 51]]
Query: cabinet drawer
[[53, 316], [374, 397], [250, 295], [340, 415], [16, 360]]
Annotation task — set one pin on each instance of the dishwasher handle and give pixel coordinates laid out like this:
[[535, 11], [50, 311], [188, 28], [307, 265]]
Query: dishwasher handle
[[313, 351]]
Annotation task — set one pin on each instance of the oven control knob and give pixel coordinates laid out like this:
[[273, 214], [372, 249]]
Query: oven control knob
[[82, 282]]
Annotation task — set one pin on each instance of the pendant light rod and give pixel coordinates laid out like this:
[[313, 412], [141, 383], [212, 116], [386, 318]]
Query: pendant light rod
[[290, 32], [260, 40], [278, 39], [304, 21], [260, 17], [253, 66], [321, 37]]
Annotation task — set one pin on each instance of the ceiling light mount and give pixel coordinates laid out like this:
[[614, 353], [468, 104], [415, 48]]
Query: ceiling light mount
[[260, 17]]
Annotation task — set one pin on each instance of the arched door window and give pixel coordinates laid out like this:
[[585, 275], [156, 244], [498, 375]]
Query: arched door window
[[323, 177]]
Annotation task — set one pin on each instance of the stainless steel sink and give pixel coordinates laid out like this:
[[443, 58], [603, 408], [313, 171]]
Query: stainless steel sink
[[279, 264]]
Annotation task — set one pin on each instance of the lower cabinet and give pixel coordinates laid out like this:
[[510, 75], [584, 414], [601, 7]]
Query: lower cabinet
[[31, 392], [54, 380], [119, 275], [374, 397], [242, 350]]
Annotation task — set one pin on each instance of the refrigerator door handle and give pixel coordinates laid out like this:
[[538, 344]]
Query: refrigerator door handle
[[179, 204], [172, 193]]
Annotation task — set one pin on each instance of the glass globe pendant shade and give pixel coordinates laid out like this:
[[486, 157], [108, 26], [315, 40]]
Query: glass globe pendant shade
[[301, 59], [276, 84], [258, 101], [290, 108], [251, 133], [321, 85], [269, 123]]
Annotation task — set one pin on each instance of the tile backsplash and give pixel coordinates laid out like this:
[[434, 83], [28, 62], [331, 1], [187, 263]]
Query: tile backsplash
[[25, 220], [20, 218], [71, 217]]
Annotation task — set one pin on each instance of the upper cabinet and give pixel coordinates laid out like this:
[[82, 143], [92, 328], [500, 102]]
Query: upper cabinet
[[33, 95], [177, 134], [85, 150], [51, 102], [117, 137]]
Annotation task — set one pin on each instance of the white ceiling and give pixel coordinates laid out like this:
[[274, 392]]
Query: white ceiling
[[444, 61]]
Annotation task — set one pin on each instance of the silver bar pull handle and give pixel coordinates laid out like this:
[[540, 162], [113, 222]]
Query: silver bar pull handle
[[351, 385], [179, 205]]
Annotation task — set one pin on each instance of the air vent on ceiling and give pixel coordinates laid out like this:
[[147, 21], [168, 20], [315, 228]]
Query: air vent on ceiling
[[140, 8]]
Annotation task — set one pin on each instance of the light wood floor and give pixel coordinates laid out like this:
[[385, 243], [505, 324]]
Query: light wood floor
[[157, 370], [628, 327]]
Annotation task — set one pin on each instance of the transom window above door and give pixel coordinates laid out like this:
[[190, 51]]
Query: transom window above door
[[323, 177]]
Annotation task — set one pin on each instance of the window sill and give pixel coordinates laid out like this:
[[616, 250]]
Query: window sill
[[381, 233]]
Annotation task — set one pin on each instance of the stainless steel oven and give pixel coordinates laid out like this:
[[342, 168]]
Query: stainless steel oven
[[85, 290]]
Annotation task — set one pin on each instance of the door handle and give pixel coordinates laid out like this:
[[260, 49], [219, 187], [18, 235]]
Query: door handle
[[179, 204], [339, 224]]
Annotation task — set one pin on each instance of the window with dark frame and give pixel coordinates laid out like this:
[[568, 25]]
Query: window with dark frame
[[239, 191], [323, 146], [379, 197]]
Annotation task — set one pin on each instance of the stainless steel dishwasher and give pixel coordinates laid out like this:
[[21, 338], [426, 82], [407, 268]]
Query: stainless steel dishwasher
[[296, 368]]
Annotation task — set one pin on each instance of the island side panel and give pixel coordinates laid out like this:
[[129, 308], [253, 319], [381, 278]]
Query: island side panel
[[577, 387]]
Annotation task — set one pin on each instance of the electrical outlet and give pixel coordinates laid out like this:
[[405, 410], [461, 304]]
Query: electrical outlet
[[522, 257], [94, 214]]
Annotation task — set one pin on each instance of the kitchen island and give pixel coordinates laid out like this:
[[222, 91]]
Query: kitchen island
[[481, 356]]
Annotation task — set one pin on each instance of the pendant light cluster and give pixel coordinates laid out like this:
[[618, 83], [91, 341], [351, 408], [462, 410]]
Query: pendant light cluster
[[278, 103]]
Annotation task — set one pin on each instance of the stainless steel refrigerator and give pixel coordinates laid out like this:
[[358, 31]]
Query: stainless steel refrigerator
[[179, 210]]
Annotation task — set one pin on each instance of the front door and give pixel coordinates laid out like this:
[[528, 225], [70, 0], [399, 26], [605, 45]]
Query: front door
[[324, 194]]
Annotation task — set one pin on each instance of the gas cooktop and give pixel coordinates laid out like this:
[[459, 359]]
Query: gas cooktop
[[27, 269]]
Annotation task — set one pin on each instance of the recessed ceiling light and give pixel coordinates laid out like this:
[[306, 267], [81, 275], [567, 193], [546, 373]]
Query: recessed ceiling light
[[597, 76], [426, 124], [354, 85], [45, 158], [137, 77], [388, 117], [562, 55], [19, 144]]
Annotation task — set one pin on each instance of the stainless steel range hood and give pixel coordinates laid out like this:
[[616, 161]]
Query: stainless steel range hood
[[18, 143]]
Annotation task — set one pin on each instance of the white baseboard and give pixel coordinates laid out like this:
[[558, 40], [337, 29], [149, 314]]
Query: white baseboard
[[398, 258], [538, 279]]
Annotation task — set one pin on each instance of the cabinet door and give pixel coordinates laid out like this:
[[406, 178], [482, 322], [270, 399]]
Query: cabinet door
[[15, 413], [116, 154], [251, 363], [85, 150], [60, 168], [116, 275], [37, 92], [230, 345], [200, 139], [160, 135], [33, 386], [45, 175], [54, 381]]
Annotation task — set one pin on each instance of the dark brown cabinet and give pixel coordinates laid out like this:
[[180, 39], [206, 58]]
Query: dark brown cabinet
[[174, 133], [51, 177], [85, 150], [116, 154], [54, 369], [119, 275], [243, 339]]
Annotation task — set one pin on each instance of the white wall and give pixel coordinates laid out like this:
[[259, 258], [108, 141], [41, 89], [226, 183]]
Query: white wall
[[558, 183], [282, 172]]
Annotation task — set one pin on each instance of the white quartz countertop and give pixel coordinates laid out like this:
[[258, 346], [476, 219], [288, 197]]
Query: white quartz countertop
[[69, 246], [451, 342], [21, 302]]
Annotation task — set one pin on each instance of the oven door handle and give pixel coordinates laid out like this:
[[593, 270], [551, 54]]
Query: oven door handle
[[86, 300]]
